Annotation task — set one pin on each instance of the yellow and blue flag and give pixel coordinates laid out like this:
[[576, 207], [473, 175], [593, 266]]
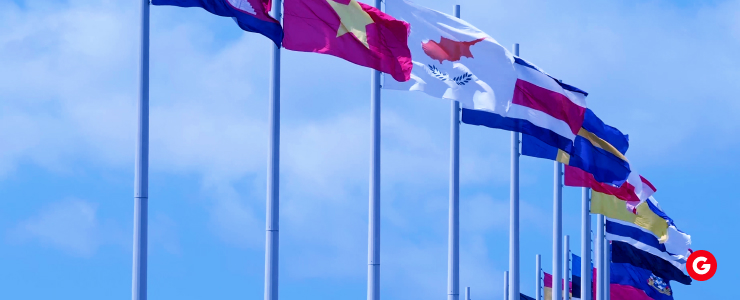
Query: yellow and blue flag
[[598, 149]]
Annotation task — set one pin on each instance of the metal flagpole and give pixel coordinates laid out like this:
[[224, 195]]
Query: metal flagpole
[[514, 212], [585, 246], [506, 285], [538, 286], [557, 232], [141, 169], [607, 270], [273, 172], [373, 231], [453, 239], [599, 253], [566, 267]]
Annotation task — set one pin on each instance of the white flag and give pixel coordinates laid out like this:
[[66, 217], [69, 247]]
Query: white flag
[[454, 60]]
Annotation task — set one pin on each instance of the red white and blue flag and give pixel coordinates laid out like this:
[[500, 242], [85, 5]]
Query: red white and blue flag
[[542, 107], [250, 15]]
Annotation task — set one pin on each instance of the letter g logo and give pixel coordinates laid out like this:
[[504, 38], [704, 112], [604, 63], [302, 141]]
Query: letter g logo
[[701, 265]]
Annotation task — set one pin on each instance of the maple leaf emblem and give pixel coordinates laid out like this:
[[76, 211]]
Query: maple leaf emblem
[[448, 49]]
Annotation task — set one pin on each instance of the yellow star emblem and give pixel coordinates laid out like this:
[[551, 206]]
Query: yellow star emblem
[[353, 19]]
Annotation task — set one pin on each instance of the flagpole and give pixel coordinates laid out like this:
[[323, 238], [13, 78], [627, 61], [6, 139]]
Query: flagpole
[[507, 286], [585, 246], [373, 249], [607, 270], [453, 239], [557, 231], [272, 220], [599, 253], [141, 168], [514, 213], [538, 286], [566, 267]]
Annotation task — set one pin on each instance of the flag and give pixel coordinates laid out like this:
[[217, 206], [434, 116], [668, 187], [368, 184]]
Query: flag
[[348, 29], [647, 235], [542, 107], [678, 243], [643, 220], [547, 289], [455, 60], [525, 297], [631, 193], [576, 290], [628, 282], [593, 282], [598, 149], [250, 15], [575, 286], [547, 286], [643, 188], [660, 265]]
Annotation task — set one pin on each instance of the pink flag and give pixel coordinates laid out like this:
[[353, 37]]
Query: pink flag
[[351, 30]]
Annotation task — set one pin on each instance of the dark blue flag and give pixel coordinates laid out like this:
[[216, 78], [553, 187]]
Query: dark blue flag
[[630, 282], [627, 254], [525, 297], [250, 15]]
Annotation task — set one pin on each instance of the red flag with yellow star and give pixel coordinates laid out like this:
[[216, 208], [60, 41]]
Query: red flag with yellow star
[[351, 30]]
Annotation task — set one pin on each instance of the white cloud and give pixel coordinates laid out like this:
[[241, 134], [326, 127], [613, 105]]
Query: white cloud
[[76, 227], [72, 226]]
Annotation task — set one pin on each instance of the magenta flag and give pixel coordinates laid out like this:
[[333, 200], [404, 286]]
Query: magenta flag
[[351, 30]]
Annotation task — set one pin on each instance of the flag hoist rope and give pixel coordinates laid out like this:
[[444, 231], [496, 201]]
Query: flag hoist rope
[[566, 267], [538, 285]]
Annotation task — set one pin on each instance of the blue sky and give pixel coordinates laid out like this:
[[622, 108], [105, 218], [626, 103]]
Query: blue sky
[[665, 72]]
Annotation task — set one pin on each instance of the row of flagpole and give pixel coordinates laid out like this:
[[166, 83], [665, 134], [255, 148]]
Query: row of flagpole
[[139, 272], [602, 284]]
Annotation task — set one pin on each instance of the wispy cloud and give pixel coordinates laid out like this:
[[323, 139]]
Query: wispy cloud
[[72, 226]]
